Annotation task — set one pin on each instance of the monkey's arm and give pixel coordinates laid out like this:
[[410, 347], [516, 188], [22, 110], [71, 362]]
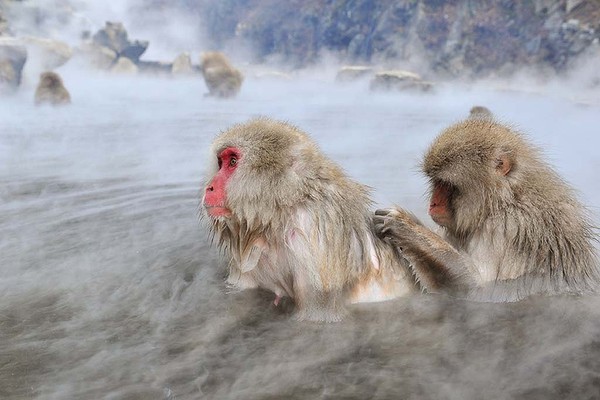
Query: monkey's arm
[[318, 295], [437, 266]]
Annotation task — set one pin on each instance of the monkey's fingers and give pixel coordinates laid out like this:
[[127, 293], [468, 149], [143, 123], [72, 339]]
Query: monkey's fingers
[[394, 230], [385, 211], [381, 225], [382, 220], [388, 228], [397, 213]]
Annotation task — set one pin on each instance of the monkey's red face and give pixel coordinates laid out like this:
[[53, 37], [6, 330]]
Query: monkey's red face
[[215, 194], [440, 208]]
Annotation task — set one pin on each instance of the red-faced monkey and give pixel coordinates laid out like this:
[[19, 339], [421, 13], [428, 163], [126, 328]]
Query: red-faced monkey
[[511, 227], [292, 222], [51, 90]]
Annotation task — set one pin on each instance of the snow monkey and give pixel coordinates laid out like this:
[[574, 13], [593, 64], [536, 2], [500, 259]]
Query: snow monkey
[[292, 222], [51, 90], [221, 78], [511, 227], [480, 112]]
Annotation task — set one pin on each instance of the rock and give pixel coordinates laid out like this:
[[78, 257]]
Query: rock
[[571, 25], [456, 39], [155, 67], [358, 47], [353, 72], [399, 80], [115, 37], [272, 75], [125, 66], [47, 54], [12, 59], [99, 57], [42, 54], [135, 50], [572, 5], [182, 65], [4, 28]]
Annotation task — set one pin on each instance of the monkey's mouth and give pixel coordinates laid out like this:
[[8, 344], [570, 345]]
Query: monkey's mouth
[[218, 211]]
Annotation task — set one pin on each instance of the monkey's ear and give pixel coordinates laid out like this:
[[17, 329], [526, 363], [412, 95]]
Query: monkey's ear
[[503, 164]]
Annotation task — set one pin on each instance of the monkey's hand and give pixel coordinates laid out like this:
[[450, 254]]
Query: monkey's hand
[[395, 225], [436, 265]]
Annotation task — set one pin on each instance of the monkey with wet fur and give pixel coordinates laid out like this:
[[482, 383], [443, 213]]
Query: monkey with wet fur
[[221, 78], [480, 112], [511, 227], [51, 90], [293, 223]]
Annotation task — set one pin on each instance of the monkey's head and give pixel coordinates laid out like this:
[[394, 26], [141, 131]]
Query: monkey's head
[[481, 112], [213, 59], [260, 169], [50, 79], [475, 167]]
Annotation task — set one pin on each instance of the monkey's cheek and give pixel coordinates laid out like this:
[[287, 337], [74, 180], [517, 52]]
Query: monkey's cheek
[[443, 220], [218, 212]]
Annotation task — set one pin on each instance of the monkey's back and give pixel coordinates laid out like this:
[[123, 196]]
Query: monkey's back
[[546, 233], [51, 90], [310, 223]]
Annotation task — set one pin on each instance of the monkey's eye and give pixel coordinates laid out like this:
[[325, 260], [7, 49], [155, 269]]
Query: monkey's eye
[[219, 162], [232, 161]]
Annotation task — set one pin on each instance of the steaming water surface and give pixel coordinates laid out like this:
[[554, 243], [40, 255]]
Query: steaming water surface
[[109, 288]]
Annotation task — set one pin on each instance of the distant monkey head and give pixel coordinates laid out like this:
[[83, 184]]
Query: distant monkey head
[[50, 80], [481, 112]]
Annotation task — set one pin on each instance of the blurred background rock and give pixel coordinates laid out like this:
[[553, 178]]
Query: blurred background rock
[[450, 38]]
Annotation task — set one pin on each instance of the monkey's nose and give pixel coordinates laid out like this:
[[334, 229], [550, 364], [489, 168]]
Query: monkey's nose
[[210, 189]]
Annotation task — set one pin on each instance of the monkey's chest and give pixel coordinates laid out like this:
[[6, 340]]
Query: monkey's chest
[[271, 273]]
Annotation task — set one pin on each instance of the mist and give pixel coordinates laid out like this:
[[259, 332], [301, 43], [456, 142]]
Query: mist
[[110, 287]]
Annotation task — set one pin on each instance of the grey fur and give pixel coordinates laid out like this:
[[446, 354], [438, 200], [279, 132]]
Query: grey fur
[[481, 112], [516, 234], [310, 223], [51, 90], [222, 79]]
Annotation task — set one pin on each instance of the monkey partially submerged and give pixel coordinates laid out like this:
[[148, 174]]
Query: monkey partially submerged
[[480, 112], [51, 90], [293, 223], [511, 226], [222, 79]]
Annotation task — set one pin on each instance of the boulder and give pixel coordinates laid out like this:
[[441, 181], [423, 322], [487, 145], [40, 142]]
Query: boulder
[[99, 57], [4, 28], [12, 59], [115, 37], [155, 67], [182, 65], [125, 66], [272, 75], [399, 80], [47, 54], [350, 73], [134, 50]]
